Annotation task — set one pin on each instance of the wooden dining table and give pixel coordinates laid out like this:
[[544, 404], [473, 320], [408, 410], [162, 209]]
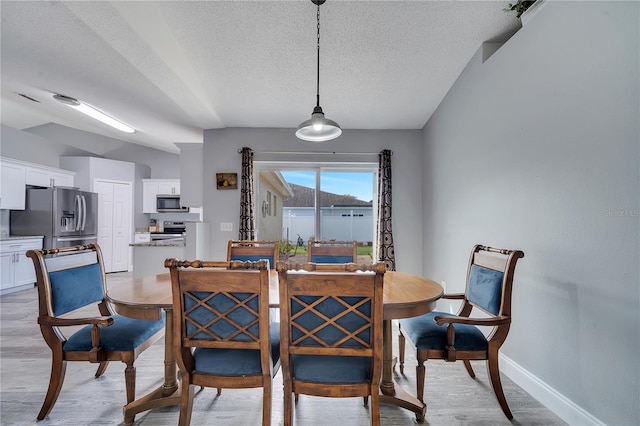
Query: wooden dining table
[[405, 295]]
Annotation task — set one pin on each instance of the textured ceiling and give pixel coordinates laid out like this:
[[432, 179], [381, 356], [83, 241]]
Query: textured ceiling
[[173, 68]]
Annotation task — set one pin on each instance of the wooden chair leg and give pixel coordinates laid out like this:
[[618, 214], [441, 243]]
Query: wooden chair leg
[[420, 376], [186, 404], [266, 403], [130, 381], [287, 414], [496, 384], [219, 392], [102, 368], [375, 409], [401, 343], [469, 368], [58, 368]]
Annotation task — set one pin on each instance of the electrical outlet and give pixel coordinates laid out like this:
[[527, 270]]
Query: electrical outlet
[[226, 226]]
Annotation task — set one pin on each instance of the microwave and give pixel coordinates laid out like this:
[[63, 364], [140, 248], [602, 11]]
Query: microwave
[[169, 203]]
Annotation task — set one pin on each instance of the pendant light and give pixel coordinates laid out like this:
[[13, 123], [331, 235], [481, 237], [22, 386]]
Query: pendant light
[[318, 128]]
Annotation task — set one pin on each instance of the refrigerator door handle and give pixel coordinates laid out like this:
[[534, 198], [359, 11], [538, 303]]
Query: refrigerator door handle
[[78, 212], [84, 212]]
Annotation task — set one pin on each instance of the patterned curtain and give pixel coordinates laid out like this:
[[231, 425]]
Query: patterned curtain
[[384, 235], [247, 228]]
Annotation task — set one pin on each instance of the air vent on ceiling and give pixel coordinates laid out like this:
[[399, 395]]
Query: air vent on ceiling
[[28, 97]]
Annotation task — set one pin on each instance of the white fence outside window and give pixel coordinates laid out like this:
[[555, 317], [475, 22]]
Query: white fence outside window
[[343, 228]]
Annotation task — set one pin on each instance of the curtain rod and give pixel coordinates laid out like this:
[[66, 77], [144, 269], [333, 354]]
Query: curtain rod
[[314, 152]]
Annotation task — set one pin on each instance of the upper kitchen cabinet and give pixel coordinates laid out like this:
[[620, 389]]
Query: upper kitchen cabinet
[[48, 177], [17, 174], [153, 187], [171, 187], [12, 185]]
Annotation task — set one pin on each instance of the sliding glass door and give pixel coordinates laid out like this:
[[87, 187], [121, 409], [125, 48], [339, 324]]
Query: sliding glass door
[[328, 202]]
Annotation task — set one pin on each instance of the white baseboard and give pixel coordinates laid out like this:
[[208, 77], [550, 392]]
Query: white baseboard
[[561, 406]]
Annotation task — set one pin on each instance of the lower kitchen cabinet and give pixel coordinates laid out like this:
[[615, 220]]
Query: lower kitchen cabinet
[[16, 269]]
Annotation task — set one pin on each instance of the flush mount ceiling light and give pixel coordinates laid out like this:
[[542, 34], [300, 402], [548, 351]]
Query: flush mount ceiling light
[[93, 113], [318, 128]]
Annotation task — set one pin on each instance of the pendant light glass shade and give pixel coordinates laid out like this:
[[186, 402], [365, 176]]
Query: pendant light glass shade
[[318, 128]]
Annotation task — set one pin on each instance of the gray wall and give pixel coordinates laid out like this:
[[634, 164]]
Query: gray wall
[[46, 144], [538, 149], [25, 146], [162, 164], [221, 155]]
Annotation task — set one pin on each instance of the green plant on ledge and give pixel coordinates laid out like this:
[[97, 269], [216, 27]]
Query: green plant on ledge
[[284, 247], [520, 6]]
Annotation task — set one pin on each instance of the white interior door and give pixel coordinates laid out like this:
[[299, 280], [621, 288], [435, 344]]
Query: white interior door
[[114, 222], [121, 225], [105, 221]]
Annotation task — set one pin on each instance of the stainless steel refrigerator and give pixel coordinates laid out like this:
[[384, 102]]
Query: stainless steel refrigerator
[[64, 216]]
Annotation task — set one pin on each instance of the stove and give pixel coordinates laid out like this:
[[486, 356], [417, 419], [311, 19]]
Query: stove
[[171, 230]]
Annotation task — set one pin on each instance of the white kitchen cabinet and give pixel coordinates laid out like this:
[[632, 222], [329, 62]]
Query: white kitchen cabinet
[[62, 178], [16, 175], [152, 187], [149, 192], [12, 185], [17, 269], [169, 187], [48, 176]]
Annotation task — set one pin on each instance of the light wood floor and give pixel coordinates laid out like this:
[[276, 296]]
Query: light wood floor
[[453, 398]]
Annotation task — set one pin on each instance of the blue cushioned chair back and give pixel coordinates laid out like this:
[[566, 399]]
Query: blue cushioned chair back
[[74, 288], [331, 259], [253, 258], [221, 316], [485, 288], [352, 329]]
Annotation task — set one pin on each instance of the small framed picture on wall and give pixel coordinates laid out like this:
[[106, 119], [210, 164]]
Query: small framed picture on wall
[[226, 180]]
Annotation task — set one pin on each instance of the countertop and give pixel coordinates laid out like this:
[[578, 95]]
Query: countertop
[[178, 242], [19, 237]]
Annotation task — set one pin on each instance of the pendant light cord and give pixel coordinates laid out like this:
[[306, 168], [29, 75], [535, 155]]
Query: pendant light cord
[[318, 69]]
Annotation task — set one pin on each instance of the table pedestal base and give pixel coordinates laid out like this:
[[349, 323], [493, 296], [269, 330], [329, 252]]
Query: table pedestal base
[[389, 392], [160, 397], [403, 399]]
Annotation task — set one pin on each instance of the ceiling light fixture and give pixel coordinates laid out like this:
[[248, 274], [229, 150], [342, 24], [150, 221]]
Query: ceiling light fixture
[[318, 128], [93, 113]]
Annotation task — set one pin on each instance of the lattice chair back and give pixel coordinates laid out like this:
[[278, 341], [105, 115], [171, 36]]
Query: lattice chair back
[[223, 335], [253, 251], [331, 331]]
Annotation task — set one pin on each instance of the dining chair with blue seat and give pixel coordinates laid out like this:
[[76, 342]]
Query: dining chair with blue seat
[[331, 332], [222, 331], [332, 251], [441, 335], [250, 250], [71, 282]]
